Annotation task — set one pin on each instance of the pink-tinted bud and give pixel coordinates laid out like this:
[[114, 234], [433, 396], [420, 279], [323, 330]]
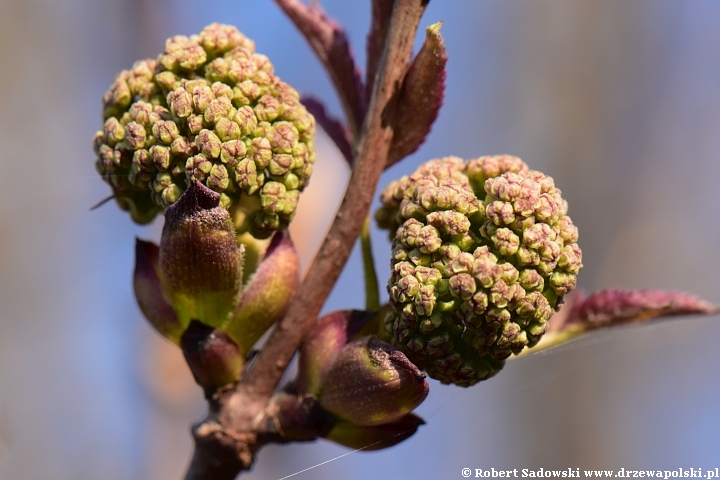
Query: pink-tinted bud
[[323, 343], [214, 359], [199, 257], [372, 383], [149, 292]]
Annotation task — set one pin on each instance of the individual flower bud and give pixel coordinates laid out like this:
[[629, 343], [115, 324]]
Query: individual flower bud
[[501, 255], [372, 383], [214, 359], [480, 169], [149, 292], [266, 294], [323, 343], [199, 258], [217, 39], [375, 437], [206, 104]]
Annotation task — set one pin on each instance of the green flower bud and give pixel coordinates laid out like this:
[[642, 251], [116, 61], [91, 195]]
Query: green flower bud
[[372, 383], [197, 271], [266, 294], [199, 258], [483, 252], [214, 359], [207, 103]]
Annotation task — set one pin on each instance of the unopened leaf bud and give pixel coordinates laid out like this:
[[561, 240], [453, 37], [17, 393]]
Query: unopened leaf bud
[[323, 343], [199, 257], [372, 383]]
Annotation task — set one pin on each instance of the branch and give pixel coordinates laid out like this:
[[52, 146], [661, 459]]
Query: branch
[[216, 454], [226, 442], [330, 44], [370, 161]]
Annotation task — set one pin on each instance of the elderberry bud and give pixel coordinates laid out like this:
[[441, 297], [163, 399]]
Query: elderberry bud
[[483, 252], [208, 109]]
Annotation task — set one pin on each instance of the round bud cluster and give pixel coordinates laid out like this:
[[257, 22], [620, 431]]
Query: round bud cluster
[[209, 109], [483, 252]]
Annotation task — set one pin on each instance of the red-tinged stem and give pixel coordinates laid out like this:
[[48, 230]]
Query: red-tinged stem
[[236, 426], [369, 164]]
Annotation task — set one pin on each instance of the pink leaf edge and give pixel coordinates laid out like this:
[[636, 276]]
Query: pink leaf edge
[[618, 307]]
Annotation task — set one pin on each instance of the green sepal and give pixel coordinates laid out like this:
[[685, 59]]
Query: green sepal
[[267, 294]]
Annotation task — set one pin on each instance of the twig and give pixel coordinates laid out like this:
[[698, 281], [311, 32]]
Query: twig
[[380, 20], [227, 440], [370, 161]]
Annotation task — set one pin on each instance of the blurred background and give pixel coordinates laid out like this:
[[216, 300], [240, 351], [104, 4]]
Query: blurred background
[[618, 101]]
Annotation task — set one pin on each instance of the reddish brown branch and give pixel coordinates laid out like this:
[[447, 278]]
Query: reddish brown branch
[[369, 163]]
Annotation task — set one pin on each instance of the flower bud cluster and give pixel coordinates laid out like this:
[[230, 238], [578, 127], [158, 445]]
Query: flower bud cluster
[[208, 109], [483, 252]]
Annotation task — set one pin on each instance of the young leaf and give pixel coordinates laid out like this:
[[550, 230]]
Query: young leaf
[[617, 307], [267, 294], [607, 308], [149, 292], [421, 96], [376, 437]]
